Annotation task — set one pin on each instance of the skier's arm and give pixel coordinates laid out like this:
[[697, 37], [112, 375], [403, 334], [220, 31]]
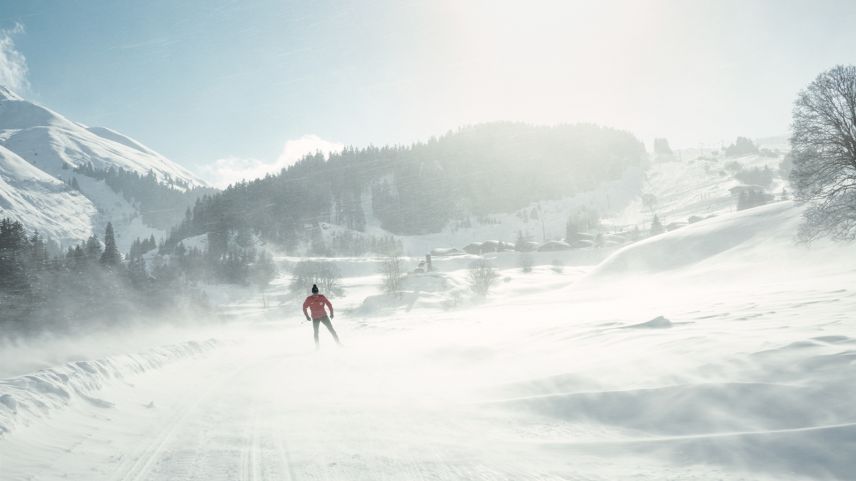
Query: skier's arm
[[329, 305], [305, 307]]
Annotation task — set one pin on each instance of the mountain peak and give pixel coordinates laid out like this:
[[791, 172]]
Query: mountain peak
[[42, 154], [54, 143]]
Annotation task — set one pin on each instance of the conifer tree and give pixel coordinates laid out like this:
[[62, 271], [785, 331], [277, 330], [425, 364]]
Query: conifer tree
[[93, 247], [111, 256]]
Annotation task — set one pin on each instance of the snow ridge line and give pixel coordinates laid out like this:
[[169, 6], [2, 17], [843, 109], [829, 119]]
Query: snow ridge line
[[699, 436], [30, 397]]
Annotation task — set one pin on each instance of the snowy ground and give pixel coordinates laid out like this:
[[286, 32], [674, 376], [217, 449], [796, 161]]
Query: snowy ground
[[559, 375]]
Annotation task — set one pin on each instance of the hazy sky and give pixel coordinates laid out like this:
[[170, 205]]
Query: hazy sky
[[227, 83]]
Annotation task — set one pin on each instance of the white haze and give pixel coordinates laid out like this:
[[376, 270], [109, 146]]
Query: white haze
[[229, 170], [720, 349], [559, 375]]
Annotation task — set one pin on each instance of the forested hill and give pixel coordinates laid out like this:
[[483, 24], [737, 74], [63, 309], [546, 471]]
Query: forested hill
[[416, 189]]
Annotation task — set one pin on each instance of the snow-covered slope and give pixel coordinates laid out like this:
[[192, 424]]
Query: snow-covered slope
[[693, 186], [745, 374], [42, 201], [39, 150], [726, 240], [55, 144]]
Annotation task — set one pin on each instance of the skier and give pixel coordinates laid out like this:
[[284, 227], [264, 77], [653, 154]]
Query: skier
[[315, 305]]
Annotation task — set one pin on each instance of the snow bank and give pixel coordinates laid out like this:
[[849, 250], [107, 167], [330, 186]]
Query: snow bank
[[772, 225], [24, 399]]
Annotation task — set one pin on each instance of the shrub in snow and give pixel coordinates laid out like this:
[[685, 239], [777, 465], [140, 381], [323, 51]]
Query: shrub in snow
[[482, 277], [390, 269]]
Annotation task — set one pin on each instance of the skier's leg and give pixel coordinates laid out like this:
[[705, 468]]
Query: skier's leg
[[315, 323], [329, 325]]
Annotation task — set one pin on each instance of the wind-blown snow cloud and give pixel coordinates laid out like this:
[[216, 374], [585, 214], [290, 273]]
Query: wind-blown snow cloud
[[229, 170], [13, 64]]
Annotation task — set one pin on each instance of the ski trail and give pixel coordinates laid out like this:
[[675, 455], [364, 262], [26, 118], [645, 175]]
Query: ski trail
[[284, 454], [251, 452], [138, 466]]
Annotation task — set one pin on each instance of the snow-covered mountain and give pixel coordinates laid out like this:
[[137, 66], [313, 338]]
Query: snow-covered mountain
[[55, 144], [39, 152], [42, 201]]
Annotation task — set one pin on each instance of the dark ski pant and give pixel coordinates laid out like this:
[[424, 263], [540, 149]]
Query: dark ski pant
[[327, 324]]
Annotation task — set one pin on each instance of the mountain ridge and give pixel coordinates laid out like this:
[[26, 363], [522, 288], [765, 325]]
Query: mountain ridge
[[43, 155]]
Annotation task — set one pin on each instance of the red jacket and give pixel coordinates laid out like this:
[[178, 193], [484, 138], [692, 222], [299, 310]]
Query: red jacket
[[315, 303]]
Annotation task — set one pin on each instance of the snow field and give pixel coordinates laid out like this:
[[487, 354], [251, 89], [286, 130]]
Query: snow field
[[557, 375]]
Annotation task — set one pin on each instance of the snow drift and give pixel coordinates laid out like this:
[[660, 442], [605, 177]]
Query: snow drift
[[30, 397], [750, 232]]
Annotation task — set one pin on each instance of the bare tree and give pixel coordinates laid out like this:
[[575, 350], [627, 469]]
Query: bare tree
[[391, 271], [824, 154], [482, 276]]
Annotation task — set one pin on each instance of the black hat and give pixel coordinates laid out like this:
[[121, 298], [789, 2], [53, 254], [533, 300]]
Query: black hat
[[314, 288]]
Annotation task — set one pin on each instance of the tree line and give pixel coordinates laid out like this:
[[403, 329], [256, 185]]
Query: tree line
[[92, 284], [419, 188], [161, 205]]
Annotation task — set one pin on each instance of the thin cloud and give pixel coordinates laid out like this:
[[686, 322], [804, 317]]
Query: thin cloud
[[223, 172], [13, 64], [296, 149]]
